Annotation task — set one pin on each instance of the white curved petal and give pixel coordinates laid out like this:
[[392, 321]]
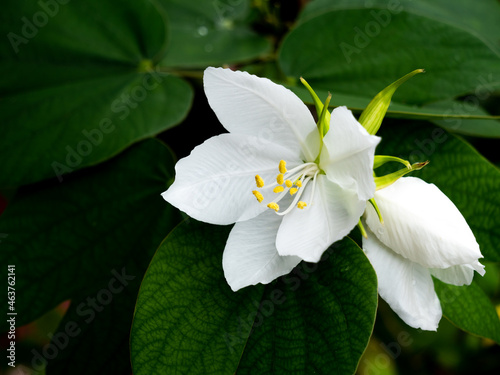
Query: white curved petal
[[215, 182], [331, 215], [458, 275], [348, 153], [250, 256], [423, 225], [247, 104], [405, 285]]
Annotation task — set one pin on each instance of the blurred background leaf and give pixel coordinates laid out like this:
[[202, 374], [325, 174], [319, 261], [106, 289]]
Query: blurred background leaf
[[211, 32], [358, 48], [70, 240], [86, 75]]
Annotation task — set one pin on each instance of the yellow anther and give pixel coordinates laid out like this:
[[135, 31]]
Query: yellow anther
[[280, 179], [301, 205], [259, 181], [293, 191], [282, 166], [258, 195], [278, 189], [288, 183], [273, 206], [298, 183]]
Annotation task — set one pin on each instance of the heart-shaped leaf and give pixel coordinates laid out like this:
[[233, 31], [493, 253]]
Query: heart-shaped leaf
[[188, 321], [81, 85]]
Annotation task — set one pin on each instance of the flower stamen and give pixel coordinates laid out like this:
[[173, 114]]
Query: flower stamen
[[282, 166], [280, 179], [259, 181], [258, 195], [273, 206], [300, 176]]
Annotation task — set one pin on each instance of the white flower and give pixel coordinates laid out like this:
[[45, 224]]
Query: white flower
[[423, 234], [311, 191]]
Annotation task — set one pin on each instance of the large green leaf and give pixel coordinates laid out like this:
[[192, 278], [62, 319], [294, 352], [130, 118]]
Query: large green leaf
[[211, 32], [360, 49], [81, 85], [185, 308], [69, 240], [466, 177], [469, 308], [188, 321], [479, 18], [325, 321]]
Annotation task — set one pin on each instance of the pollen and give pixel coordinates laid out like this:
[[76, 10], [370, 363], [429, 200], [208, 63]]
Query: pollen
[[259, 181], [298, 183], [288, 183], [280, 179], [282, 166], [278, 189], [258, 195], [301, 205], [273, 206], [293, 191]]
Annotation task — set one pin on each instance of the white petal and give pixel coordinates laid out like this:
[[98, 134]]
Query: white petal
[[247, 104], [215, 182], [423, 225], [405, 285], [348, 153], [331, 215], [250, 256], [458, 275]]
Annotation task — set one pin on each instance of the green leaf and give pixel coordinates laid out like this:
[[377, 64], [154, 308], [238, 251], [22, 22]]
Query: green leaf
[[362, 49], [211, 32], [466, 177], [188, 321], [88, 81], [475, 121], [469, 308], [479, 18], [68, 240], [323, 325]]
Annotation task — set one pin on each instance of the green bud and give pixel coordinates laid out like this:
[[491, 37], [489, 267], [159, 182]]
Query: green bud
[[372, 116], [387, 180], [319, 107], [323, 120], [382, 159]]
